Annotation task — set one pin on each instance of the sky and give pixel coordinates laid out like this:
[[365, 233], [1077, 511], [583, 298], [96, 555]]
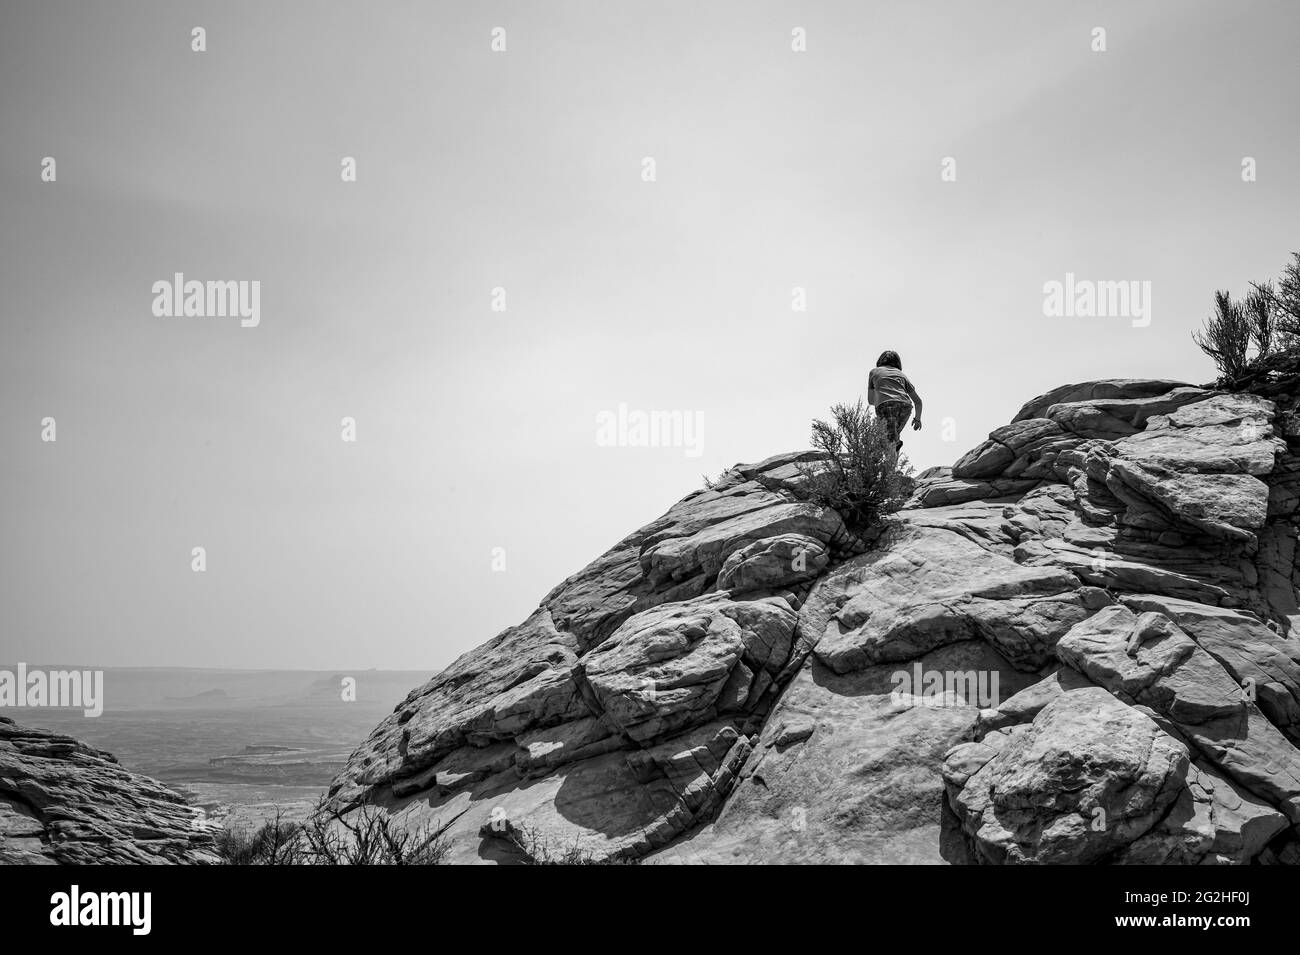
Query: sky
[[477, 481]]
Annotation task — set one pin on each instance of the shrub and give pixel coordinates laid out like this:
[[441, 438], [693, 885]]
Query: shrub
[[861, 476], [1226, 336], [1285, 299], [1262, 318], [274, 843], [366, 836], [711, 483], [1267, 319]]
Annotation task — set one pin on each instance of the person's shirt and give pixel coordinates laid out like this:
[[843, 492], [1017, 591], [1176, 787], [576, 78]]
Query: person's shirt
[[889, 384]]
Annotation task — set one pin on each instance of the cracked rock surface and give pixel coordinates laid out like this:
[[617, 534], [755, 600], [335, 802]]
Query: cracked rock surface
[[1076, 645], [62, 801]]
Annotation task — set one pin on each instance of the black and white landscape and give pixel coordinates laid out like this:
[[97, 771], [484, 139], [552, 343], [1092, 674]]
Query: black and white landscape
[[348, 353]]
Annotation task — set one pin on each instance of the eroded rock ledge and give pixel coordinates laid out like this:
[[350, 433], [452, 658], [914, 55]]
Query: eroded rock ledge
[[719, 686], [62, 801]]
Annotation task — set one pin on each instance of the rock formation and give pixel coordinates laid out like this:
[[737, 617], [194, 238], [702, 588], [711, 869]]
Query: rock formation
[[734, 681], [62, 801]]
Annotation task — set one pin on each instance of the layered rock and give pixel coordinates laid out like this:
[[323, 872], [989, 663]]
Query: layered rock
[[62, 801], [616, 716], [1072, 646]]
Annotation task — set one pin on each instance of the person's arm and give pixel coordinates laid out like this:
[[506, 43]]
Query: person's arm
[[871, 388], [916, 403]]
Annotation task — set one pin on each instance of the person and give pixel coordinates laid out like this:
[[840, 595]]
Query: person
[[891, 393]]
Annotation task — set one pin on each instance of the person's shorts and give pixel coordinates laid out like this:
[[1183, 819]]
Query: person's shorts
[[894, 414]]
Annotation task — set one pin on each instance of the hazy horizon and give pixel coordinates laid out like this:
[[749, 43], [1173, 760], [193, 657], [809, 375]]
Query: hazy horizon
[[522, 170]]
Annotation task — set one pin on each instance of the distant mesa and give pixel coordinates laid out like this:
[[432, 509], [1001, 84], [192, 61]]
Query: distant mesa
[[326, 687], [207, 697]]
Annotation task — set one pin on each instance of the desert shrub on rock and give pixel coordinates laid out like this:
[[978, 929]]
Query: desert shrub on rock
[[861, 475], [366, 836], [1284, 297], [1226, 336], [1255, 339], [275, 842]]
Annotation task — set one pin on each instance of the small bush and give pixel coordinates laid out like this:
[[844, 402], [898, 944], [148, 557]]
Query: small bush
[[711, 483], [368, 836], [274, 843], [1226, 336], [365, 836], [862, 476], [1285, 299], [1256, 339], [1262, 318]]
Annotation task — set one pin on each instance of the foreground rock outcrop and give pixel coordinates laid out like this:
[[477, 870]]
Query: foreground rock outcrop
[[1075, 645], [62, 801]]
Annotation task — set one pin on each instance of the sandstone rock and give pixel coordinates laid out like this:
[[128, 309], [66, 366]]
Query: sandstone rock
[[621, 804], [1022, 707], [1224, 434], [774, 562], [545, 749], [1250, 653], [1025, 630], [863, 787], [1113, 418], [665, 668], [62, 801], [693, 695], [1015, 451], [941, 492], [1108, 570], [1089, 776], [1147, 660], [1177, 679], [524, 679], [1214, 822], [921, 592], [703, 553], [1109, 388]]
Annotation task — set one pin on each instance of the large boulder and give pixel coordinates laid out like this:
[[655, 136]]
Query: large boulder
[[1025, 449], [774, 562], [847, 769], [1104, 389], [930, 587], [1147, 661], [682, 663], [1087, 777], [1255, 657], [1113, 418]]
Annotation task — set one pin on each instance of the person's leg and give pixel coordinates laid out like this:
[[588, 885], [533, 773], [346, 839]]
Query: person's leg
[[894, 415], [903, 413]]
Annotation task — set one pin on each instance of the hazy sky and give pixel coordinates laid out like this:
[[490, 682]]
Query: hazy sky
[[523, 170]]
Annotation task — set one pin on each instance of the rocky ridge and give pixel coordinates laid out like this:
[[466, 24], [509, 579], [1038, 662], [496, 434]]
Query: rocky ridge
[[723, 685], [62, 801]]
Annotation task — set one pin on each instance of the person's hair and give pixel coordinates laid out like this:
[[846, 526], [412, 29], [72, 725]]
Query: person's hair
[[890, 359]]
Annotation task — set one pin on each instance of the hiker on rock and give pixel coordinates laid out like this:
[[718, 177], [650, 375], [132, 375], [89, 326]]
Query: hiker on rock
[[892, 395]]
